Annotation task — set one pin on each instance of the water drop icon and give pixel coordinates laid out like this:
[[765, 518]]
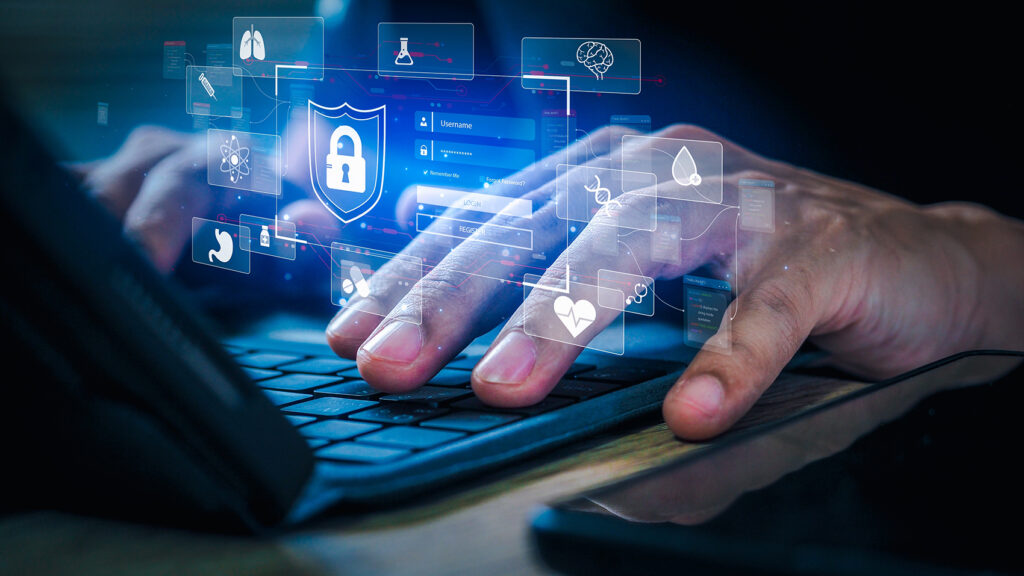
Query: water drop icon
[[684, 169]]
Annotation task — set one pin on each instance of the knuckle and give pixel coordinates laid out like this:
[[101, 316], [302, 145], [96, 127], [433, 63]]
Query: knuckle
[[751, 174], [181, 166], [148, 223], [828, 221], [446, 284], [785, 304], [685, 130], [614, 132], [443, 282], [145, 136]]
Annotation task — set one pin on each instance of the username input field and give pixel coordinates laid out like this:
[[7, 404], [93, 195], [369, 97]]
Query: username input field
[[480, 125]]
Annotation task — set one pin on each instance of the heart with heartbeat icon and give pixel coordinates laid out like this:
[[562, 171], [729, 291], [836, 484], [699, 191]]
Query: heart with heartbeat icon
[[576, 316]]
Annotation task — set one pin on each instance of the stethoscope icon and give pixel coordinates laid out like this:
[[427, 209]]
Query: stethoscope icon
[[639, 293]]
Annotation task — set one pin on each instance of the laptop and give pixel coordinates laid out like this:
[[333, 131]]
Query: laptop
[[122, 402]]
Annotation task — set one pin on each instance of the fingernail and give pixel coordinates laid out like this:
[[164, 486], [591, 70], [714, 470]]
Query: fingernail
[[510, 361], [704, 393], [349, 319], [397, 342]]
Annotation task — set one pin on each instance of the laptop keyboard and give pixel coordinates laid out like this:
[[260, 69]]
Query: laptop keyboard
[[344, 419]]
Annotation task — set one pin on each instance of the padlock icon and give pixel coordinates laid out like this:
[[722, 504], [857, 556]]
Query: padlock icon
[[424, 151], [346, 172]]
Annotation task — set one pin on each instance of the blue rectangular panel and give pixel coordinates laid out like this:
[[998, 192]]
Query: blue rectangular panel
[[261, 44], [213, 91], [218, 55], [174, 60], [706, 301], [757, 205], [425, 50], [710, 283], [218, 244], [269, 237], [244, 160], [480, 125], [610, 65], [639, 122], [557, 130]]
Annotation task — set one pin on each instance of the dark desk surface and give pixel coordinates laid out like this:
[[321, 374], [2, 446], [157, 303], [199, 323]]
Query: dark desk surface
[[476, 527]]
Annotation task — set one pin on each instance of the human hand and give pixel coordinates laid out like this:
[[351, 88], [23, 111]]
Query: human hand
[[156, 183], [881, 284]]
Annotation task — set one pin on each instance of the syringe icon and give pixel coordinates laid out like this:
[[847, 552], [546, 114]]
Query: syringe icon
[[206, 84]]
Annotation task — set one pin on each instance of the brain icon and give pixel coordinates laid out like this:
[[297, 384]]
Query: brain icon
[[595, 56]]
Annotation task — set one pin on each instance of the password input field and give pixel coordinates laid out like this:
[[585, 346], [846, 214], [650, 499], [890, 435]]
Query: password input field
[[505, 157]]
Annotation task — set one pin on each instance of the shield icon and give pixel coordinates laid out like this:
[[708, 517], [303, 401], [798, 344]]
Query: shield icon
[[346, 158]]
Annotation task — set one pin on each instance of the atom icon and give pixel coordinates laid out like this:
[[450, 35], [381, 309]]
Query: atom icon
[[234, 159]]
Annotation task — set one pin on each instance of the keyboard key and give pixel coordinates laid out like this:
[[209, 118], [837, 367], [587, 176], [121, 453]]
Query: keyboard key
[[351, 373], [329, 406], [466, 363], [470, 421], [446, 377], [581, 389], [578, 367], [297, 420], [622, 374], [470, 362], [352, 452], [410, 437], [429, 395], [319, 366], [398, 414], [545, 405], [266, 359], [352, 388], [282, 398], [337, 429], [235, 350], [260, 374], [298, 382], [316, 442]]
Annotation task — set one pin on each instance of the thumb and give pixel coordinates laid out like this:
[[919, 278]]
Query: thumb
[[768, 324]]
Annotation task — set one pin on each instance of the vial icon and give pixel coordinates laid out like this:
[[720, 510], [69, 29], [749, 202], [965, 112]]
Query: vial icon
[[404, 58], [265, 237]]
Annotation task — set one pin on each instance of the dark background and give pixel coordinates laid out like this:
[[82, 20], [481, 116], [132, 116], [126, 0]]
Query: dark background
[[916, 102]]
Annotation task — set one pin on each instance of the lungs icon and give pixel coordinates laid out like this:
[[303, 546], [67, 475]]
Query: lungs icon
[[252, 45]]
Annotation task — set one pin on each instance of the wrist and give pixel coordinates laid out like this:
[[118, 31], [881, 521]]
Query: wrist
[[990, 262]]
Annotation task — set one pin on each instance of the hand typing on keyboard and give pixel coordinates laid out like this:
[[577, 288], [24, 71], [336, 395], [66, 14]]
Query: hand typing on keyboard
[[881, 284]]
